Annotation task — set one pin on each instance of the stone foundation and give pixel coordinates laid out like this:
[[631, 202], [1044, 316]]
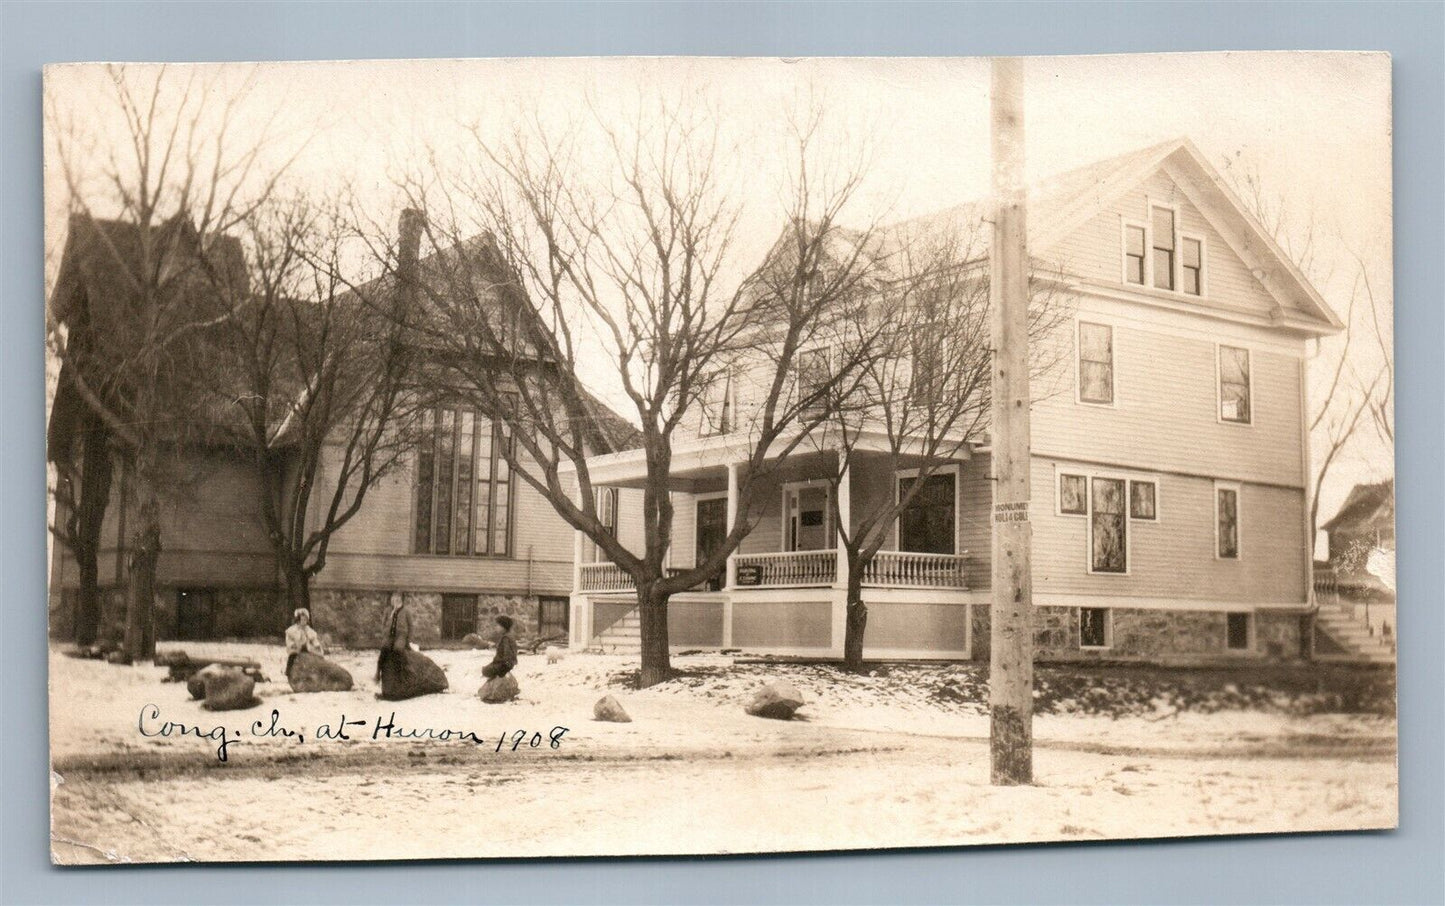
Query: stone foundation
[[1152, 636]]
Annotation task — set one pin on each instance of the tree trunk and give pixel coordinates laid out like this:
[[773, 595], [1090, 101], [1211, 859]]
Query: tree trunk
[[94, 498], [145, 553], [656, 660], [298, 585], [857, 619], [87, 604]]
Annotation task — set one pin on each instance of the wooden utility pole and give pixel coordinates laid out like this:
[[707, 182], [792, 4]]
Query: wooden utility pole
[[1011, 662]]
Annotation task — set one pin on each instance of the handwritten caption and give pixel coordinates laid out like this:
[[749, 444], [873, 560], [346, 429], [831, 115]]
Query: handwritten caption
[[152, 726]]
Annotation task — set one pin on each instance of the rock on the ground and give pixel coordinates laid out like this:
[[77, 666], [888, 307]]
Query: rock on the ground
[[474, 641], [777, 700], [228, 689], [408, 674], [314, 673], [608, 708], [499, 689]]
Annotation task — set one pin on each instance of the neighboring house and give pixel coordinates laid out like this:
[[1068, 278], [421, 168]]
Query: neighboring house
[[450, 527], [1170, 511], [1364, 526]]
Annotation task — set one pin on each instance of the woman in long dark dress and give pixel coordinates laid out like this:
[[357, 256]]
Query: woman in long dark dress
[[506, 657]]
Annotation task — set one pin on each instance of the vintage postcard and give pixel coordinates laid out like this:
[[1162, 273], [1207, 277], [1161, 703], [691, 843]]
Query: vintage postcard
[[634, 457]]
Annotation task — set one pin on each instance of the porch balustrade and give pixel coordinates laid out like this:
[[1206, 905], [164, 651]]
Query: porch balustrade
[[891, 569], [903, 569], [787, 568]]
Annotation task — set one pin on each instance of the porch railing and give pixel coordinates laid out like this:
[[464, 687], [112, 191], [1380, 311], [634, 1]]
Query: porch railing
[[785, 568], [603, 577], [608, 577], [902, 569]]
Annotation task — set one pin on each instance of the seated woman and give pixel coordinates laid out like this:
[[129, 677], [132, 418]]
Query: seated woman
[[404, 673], [307, 670], [501, 685], [506, 657]]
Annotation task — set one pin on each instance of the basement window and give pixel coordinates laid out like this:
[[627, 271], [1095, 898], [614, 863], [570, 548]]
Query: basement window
[[1096, 627], [1237, 632]]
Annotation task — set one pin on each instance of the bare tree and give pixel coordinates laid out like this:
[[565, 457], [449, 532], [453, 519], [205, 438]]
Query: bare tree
[[151, 201], [313, 369], [925, 386], [628, 265], [1351, 399]]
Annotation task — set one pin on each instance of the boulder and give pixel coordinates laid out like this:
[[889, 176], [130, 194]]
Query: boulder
[[228, 689], [118, 657], [608, 708], [314, 673], [474, 641], [407, 674], [499, 689], [777, 700]]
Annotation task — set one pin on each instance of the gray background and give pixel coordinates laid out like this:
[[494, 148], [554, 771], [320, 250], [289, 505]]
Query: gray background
[[1399, 867]]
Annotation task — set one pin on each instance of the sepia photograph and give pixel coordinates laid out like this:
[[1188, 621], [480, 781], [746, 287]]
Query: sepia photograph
[[655, 456]]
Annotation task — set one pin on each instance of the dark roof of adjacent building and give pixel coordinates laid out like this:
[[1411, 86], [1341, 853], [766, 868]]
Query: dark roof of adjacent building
[[1368, 507]]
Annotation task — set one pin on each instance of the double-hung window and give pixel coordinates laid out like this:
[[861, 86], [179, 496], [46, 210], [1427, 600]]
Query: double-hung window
[[1191, 266], [717, 404], [1135, 250], [1159, 254], [1162, 226], [814, 378], [1235, 397], [1096, 363]]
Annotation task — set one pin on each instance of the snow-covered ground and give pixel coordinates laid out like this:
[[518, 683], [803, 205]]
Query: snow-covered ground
[[894, 759]]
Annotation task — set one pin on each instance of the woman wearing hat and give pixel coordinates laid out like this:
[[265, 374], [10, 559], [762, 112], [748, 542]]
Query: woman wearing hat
[[301, 637]]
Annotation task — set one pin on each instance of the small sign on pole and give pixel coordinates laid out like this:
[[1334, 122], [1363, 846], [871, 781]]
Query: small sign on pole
[[1017, 511]]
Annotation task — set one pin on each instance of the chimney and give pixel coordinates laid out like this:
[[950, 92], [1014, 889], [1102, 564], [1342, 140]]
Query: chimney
[[409, 229]]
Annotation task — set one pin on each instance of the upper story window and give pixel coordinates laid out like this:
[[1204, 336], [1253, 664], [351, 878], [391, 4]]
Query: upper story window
[[1162, 226], [1235, 395], [717, 404], [463, 485], [1096, 363], [1160, 255], [606, 500], [1134, 253], [814, 374], [1191, 268]]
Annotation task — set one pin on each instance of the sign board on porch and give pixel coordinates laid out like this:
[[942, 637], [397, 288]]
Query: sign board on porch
[[1011, 512], [749, 574]]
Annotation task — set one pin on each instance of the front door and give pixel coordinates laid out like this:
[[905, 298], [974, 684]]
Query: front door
[[712, 530], [806, 526]]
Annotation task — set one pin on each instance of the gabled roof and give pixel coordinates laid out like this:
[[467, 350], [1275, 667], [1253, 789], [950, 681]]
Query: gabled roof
[[1368, 507], [1064, 202]]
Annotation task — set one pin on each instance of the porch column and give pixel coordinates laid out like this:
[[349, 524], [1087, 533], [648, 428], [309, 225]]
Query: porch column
[[733, 468], [845, 495], [578, 545], [732, 567]]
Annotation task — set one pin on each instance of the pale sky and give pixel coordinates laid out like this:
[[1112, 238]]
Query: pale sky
[[1316, 126]]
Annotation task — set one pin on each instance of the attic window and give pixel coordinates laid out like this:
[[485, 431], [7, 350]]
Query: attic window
[[1162, 222], [1191, 274], [1134, 244]]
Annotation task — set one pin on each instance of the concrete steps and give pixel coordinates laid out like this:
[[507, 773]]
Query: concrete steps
[[1353, 636]]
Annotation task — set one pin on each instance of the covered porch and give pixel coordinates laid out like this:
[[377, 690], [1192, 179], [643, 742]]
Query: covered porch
[[784, 590]]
